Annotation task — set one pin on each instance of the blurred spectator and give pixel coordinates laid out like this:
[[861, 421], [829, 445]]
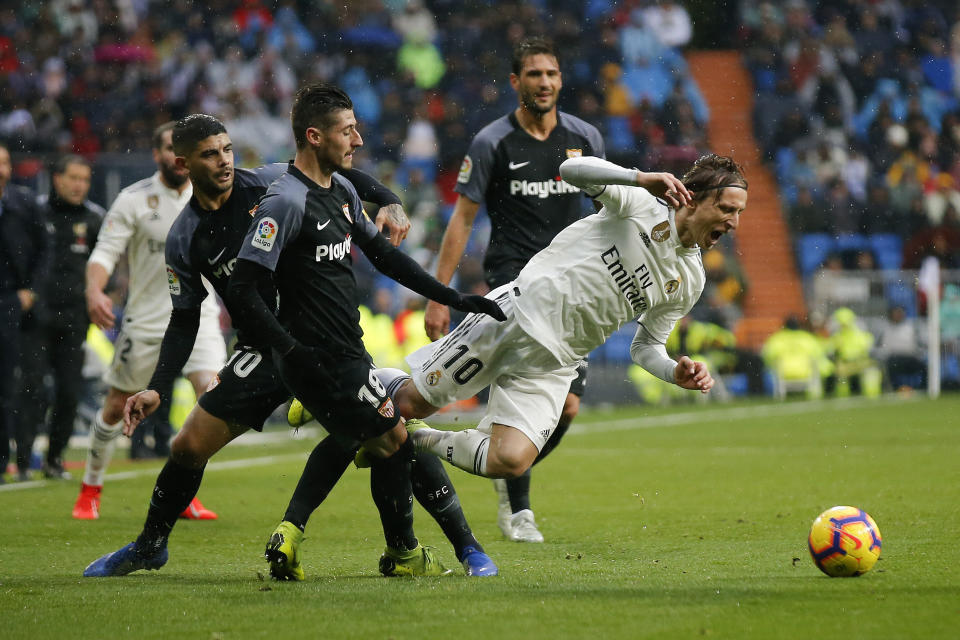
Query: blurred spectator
[[941, 241], [900, 348], [797, 360], [944, 196], [422, 60], [849, 346], [670, 22], [807, 214], [415, 22], [53, 332], [22, 256]]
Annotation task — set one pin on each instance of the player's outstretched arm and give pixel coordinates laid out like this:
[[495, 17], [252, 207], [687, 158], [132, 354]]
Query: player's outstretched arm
[[397, 265], [436, 318], [593, 174]]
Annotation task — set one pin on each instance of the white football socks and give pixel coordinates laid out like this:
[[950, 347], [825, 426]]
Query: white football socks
[[103, 440], [391, 379], [466, 449]]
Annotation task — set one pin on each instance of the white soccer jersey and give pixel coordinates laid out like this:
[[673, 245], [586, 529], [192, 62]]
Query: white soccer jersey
[[138, 222], [622, 263]]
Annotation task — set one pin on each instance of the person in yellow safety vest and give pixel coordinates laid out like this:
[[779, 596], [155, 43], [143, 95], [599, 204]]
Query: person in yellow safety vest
[[795, 355], [850, 346], [379, 338], [688, 336], [409, 330]]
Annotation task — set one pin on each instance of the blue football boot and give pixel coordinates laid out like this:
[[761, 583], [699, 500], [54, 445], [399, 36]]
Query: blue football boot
[[124, 561], [477, 563]]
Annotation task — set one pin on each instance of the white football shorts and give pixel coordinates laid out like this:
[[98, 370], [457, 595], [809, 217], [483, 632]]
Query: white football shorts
[[528, 386], [134, 359]]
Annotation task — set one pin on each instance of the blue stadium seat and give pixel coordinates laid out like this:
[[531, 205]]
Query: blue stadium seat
[[617, 347], [888, 250], [812, 250], [852, 242], [619, 136], [784, 160]]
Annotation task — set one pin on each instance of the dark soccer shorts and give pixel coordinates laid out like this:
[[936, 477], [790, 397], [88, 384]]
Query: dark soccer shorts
[[580, 382], [246, 390], [345, 396]]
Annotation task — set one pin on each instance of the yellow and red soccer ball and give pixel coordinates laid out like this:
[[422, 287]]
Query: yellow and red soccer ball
[[844, 542]]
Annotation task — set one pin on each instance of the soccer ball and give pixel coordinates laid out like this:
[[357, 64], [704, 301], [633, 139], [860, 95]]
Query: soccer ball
[[844, 542]]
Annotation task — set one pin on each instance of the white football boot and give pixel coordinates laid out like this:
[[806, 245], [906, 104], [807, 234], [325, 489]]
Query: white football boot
[[525, 527]]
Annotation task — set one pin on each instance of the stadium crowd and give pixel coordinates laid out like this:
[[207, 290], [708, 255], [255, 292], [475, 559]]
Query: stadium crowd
[[857, 110]]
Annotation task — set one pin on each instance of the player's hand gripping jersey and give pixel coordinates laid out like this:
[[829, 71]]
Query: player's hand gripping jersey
[[622, 263]]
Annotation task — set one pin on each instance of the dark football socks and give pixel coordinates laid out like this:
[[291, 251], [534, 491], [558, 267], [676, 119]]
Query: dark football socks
[[393, 495], [175, 488], [326, 464], [435, 493]]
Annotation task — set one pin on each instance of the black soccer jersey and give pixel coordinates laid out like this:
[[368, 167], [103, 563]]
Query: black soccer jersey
[[303, 233], [518, 178], [206, 243]]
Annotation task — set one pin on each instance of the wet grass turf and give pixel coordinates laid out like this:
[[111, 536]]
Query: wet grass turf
[[684, 522]]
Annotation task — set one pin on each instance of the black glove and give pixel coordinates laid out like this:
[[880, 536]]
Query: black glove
[[479, 304]]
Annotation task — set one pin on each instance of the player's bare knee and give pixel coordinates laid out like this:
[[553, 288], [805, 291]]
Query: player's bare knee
[[507, 464], [409, 402]]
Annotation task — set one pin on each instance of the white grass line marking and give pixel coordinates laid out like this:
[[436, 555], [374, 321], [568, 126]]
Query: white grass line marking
[[153, 471], [730, 414]]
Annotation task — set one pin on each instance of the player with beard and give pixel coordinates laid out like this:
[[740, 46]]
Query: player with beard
[[137, 223], [203, 244], [513, 166], [301, 238]]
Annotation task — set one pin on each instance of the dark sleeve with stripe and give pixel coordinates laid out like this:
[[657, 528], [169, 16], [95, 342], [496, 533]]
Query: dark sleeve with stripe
[[369, 188], [175, 349], [397, 265], [253, 316]]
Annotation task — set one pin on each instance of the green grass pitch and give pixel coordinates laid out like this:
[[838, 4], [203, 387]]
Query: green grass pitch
[[662, 523]]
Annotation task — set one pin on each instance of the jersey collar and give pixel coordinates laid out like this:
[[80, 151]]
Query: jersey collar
[[305, 179]]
